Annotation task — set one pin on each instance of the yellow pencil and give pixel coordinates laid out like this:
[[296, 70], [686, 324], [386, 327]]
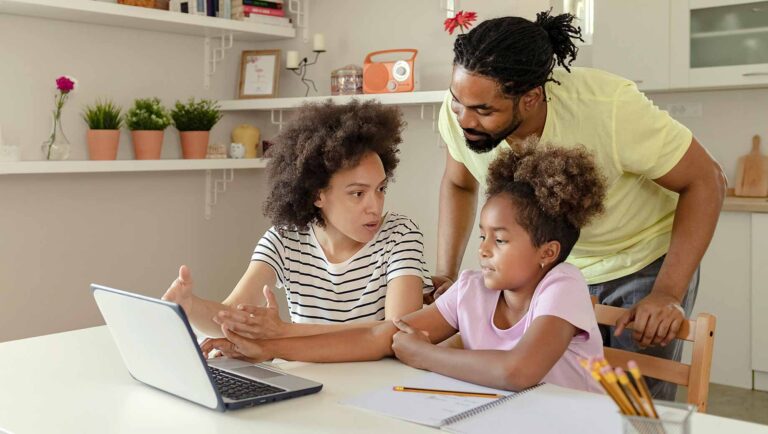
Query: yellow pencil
[[631, 392], [446, 392], [644, 392], [612, 381]]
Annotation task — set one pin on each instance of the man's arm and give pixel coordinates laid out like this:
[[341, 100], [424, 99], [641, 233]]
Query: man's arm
[[701, 183], [458, 202]]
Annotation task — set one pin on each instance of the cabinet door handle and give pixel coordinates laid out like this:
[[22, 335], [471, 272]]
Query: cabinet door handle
[[754, 74]]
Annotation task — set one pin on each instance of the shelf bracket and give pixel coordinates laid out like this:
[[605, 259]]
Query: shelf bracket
[[435, 108], [214, 55], [279, 121], [300, 8], [214, 187]]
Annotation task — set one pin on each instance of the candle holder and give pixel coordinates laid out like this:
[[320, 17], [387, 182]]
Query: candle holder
[[301, 70]]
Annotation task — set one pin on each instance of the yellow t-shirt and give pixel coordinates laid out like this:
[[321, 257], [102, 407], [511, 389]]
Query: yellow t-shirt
[[633, 143]]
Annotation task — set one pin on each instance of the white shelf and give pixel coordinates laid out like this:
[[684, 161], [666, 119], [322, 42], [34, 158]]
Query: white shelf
[[702, 35], [113, 14], [46, 167], [404, 98]]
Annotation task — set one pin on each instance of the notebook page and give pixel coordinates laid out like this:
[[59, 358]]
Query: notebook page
[[544, 410], [423, 408]]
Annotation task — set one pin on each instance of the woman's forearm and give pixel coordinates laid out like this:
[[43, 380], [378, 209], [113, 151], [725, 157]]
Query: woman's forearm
[[297, 329], [349, 345]]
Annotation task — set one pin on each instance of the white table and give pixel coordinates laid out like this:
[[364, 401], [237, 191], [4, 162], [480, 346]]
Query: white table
[[75, 382]]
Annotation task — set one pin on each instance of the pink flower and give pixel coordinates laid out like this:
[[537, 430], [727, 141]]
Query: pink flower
[[65, 84], [462, 20]]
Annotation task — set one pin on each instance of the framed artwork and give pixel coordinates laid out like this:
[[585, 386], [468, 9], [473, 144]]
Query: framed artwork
[[259, 74]]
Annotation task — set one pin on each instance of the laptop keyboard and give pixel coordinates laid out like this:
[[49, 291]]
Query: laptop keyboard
[[237, 388]]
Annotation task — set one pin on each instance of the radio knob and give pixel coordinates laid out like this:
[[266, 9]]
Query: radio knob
[[391, 85]]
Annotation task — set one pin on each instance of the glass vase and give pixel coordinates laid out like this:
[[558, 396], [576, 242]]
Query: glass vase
[[57, 146]]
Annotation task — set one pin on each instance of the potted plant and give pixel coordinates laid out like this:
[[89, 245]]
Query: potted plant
[[147, 119], [194, 121], [104, 119]]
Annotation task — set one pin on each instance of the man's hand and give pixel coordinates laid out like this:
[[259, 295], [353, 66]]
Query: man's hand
[[441, 284], [254, 322], [658, 317], [409, 343], [180, 291]]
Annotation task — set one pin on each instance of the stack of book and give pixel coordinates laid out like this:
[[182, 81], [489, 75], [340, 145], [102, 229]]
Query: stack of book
[[260, 11]]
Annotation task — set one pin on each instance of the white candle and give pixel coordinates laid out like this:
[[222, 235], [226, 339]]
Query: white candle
[[292, 59], [318, 42]]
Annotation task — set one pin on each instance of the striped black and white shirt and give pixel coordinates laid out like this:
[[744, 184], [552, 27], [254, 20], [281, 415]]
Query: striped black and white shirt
[[322, 292]]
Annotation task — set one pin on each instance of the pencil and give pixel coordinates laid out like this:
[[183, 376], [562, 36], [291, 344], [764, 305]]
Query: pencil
[[612, 381], [446, 392], [644, 392], [631, 392]]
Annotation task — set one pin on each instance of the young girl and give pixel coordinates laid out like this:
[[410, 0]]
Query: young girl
[[525, 317], [342, 261]]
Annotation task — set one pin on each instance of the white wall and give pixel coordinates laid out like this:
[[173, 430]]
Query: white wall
[[131, 230]]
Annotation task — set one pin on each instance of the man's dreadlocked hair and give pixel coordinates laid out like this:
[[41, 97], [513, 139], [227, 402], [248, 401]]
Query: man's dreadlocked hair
[[517, 53]]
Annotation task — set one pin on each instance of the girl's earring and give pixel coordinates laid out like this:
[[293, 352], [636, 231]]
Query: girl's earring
[[542, 265]]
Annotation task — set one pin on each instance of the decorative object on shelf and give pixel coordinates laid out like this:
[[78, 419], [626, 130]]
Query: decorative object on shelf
[[236, 150], [142, 3], [752, 173], [248, 136], [147, 119], [462, 21], [57, 145], [216, 151], [265, 146], [259, 74], [8, 152], [194, 120], [104, 119], [389, 76], [347, 80], [299, 67]]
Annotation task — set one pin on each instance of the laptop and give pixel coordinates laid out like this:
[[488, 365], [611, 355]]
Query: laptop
[[159, 348]]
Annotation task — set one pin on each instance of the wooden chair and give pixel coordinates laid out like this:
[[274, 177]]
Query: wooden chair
[[695, 376]]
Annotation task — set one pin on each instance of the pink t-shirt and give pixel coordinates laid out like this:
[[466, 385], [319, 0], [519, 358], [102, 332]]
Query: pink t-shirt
[[468, 306]]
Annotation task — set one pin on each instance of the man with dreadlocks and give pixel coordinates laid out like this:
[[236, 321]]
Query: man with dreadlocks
[[664, 189]]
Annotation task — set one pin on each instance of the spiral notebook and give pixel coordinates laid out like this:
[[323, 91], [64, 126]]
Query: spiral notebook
[[544, 408]]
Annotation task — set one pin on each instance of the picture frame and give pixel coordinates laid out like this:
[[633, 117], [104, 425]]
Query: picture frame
[[259, 74]]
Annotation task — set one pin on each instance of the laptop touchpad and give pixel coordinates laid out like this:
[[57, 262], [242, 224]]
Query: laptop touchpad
[[256, 372]]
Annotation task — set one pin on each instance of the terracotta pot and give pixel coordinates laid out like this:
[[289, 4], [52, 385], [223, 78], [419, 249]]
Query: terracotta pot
[[194, 144], [102, 144], [147, 144]]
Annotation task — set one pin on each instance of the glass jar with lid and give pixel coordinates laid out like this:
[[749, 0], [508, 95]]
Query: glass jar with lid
[[347, 80]]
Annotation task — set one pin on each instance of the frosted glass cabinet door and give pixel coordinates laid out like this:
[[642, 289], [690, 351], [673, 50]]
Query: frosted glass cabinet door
[[725, 42], [638, 50]]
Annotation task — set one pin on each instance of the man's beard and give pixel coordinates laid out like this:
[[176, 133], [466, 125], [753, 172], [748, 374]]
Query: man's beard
[[490, 141]]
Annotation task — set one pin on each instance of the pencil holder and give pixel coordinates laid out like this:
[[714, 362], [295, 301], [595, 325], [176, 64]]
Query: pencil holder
[[674, 418]]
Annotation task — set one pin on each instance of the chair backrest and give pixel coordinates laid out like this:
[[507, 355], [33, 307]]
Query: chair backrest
[[695, 376]]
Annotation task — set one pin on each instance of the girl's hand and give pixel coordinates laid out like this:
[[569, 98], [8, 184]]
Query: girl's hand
[[409, 344], [236, 347], [254, 322], [180, 291]]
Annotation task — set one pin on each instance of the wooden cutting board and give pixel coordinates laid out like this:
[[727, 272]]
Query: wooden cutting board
[[752, 173]]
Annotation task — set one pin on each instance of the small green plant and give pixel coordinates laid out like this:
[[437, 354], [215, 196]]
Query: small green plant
[[196, 115], [103, 115], [147, 114]]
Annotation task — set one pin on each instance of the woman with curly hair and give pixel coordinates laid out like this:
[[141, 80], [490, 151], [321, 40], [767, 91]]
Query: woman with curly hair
[[342, 260], [525, 317]]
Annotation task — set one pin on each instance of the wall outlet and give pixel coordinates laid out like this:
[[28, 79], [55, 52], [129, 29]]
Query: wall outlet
[[685, 110]]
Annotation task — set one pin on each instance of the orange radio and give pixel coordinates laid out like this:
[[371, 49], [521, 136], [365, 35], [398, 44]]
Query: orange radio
[[392, 76]]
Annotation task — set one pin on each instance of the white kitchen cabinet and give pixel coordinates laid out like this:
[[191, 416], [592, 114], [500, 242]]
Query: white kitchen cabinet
[[724, 291], [718, 43], [760, 300], [631, 39]]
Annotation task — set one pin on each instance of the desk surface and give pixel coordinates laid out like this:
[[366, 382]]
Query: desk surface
[[75, 382]]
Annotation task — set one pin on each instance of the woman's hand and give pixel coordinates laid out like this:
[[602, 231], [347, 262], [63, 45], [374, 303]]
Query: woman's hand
[[409, 344], [180, 291], [254, 322], [235, 346]]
